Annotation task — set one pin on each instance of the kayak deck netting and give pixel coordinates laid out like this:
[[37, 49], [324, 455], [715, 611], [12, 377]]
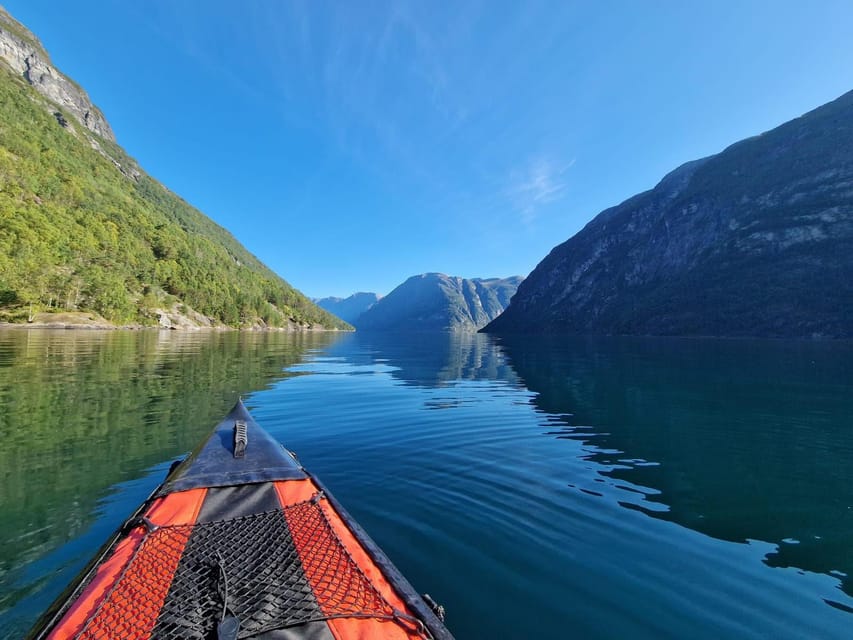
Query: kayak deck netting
[[271, 570]]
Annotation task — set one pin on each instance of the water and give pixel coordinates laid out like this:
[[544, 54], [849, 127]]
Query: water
[[538, 488]]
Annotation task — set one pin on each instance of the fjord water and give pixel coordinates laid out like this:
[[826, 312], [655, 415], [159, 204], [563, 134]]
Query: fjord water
[[537, 487]]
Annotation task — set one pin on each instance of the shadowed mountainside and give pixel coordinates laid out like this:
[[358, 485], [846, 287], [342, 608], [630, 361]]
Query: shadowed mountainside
[[754, 241], [349, 308]]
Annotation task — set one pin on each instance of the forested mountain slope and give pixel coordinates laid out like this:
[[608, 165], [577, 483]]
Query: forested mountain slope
[[83, 228]]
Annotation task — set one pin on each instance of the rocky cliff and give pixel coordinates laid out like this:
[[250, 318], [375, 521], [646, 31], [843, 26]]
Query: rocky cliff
[[349, 308], [754, 241], [437, 302], [23, 52]]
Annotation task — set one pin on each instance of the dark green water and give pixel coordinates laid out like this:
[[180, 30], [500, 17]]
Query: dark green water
[[538, 488]]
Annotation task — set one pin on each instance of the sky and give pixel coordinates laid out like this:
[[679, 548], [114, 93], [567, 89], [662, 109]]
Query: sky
[[352, 144]]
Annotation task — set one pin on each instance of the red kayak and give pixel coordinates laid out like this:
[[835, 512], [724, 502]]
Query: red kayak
[[240, 541]]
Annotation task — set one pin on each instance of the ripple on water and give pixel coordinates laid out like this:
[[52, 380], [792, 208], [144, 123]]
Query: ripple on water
[[601, 488]]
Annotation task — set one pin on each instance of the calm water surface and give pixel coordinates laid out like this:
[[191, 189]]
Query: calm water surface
[[538, 488]]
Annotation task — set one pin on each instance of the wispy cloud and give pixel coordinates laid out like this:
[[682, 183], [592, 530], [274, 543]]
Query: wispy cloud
[[538, 182]]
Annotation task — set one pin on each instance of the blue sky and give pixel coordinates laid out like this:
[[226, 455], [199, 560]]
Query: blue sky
[[350, 145]]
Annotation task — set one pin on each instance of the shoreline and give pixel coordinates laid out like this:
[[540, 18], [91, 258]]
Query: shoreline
[[66, 326], [66, 320]]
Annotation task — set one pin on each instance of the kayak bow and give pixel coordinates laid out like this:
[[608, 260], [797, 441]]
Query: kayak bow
[[240, 541]]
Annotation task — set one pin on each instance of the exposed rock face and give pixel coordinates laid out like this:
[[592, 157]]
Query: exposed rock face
[[437, 302], [754, 241], [350, 308], [25, 54]]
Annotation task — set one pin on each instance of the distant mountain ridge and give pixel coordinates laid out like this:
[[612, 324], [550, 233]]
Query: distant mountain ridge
[[349, 308], [438, 302], [754, 241], [85, 231]]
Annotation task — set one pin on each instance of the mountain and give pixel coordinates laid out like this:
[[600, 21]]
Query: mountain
[[436, 302], [350, 308], [83, 229], [754, 241]]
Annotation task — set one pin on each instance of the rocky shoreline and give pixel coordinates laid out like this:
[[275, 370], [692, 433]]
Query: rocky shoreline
[[94, 322]]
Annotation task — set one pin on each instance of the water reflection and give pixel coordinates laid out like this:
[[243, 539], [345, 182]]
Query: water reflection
[[738, 440], [85, 410], [427, 359], [534, 488], [535, 484]]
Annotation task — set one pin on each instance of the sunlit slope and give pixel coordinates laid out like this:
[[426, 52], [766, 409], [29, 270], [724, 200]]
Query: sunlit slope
[[83, 228], [438, 302]]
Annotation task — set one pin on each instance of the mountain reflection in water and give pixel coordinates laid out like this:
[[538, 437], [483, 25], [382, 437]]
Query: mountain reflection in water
[[741, 440]]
